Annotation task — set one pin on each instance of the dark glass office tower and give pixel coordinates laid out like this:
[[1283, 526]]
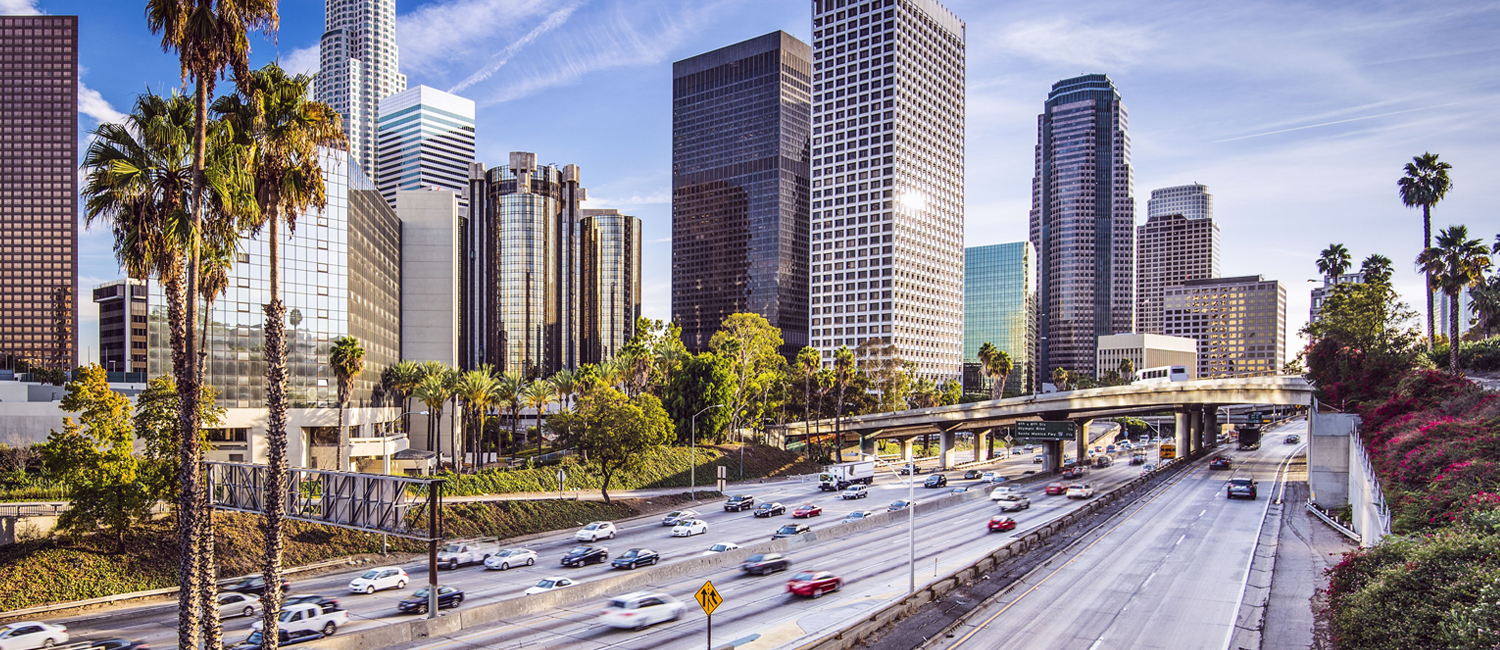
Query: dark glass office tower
[[740, 128], [1082, 223], [38, 191]]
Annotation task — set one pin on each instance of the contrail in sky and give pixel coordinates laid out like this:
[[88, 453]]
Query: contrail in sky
[[1314, 126], [556, 18]]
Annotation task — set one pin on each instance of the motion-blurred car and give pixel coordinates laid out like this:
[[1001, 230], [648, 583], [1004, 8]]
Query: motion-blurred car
[[690, 527], [857, 515], [959, 490], [936, 480], [510, 557], [585, 555], [678, 516], [636, 557], [1014, 502], [1292, 439], [763, 563], [596, 531], [910, 468], [1072, 473], [284, 638], [379, 578], [1148, 467], [1080, 491], [1240, 487], [972, 474], [549, 584], [898, 505], [1001, 522], [254, 585], [739, 502], [303, 599], [232, 604], [639, 610], [1001, 492], [116, 644], [448, 598], [32, 634], [993, 477], [770, 510], [790, 530], [1054, 489], [814, 584], [720, 548], [1219, 462], [807, 510]]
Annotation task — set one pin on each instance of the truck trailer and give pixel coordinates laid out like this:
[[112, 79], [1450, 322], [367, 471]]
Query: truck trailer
[[842, 475]]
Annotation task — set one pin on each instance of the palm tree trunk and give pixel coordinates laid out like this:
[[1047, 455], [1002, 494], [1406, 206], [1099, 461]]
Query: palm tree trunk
[[276, 438], [1427, 286], [339, 464], [189, 623], [1453, 332], [208, 592]]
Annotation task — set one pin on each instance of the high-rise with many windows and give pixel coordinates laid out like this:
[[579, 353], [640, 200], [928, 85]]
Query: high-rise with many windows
[[358, 66], [38, 191], [1000, 309], [1170, 249], [1082, 222], [1191, 201], [740, 124], [888, 180], [122, 325], [426, 140], [1239, 323], [609, 299]]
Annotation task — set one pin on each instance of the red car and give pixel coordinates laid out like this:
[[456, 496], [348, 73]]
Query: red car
[[1002, 523], [814, 584], [808, 510], [1054, 489]]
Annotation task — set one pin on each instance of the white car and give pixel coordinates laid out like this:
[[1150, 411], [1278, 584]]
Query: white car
[[1002, 492], [855, 492], [379, 578], [596, 531], [549, 584], [32, 634], [1080, 491], [689, 528], [857, 515], [640, 609], [678, 516], [233, 603], [1015, 501], [510, 557], [720, 548], [992, 477]]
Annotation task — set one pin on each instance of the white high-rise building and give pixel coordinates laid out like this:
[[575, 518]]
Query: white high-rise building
[[888, 180], [358, 66], [426, 140], [1191, 201]]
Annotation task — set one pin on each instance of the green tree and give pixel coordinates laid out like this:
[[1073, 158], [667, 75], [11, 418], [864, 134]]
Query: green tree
[[1376, 269], [808, 363], [1127, 370], [155, 425], [403, 379], [702, 381], [1457, 262], [843, 375], [997, 366], [1362, 338], [1424, 183], [750, 343], [475, 390], [1484, 299], [1061, 377], [1333, 262], [434, 392], [565, 386], [882, 365], [537, 395], [619, 431], [952, 391], [507, 395], [347, 359], [94, 458]]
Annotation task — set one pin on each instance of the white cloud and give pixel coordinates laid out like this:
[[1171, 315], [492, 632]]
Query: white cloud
[[92, 104], [303, 60], [18, 8], [1065, 41], [553, 21], [657, 198]]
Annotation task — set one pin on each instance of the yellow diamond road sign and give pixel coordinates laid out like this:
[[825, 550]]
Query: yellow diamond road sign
[[709, 598]]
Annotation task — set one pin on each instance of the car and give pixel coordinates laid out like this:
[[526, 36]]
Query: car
[[1011, 502], [510, 557], [936, 480], [1109, 449], [901, 504], [232, 604], [378, 579], [857, 515], [118, 644], [1002, 491], [549, 584], [1240, 487], [769, 510], [1076, 472], [790, 530], [32, 634], [1098, 449], [993, 477], [678, 516], [1138, 459], [814, 584], [857, 491], [910, 468], [254, 585], [764, 563], [636, 557], [739, 502], [303, 599], [720, 548], [1028, 472], [1219, 462], [1054, 489], [690, 527], [972, 474], [1292, 439], [1080, 491], [1037, 459], [585, 555], [959, 490], [807, 510], [1104, 461], [310, 617], [448, 598], [1001, 522], [1148, 467], [640, 610], [596, 531], [284, 638]]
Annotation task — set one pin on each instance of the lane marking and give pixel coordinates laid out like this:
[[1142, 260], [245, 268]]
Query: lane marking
[[1179, 539]]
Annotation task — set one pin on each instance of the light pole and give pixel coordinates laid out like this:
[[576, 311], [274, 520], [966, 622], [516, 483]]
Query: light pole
[[911, 525], [693, 462]]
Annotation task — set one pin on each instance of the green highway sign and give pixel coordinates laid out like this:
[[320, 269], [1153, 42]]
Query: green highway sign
[[1036, 430], [1255, 417]]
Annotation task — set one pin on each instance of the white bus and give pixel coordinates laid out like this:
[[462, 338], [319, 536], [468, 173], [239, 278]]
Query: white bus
[[1161, 375]]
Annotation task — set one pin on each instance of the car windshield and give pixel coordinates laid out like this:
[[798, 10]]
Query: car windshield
[[287, 616], [755, 558], [1242, 482], [631, 553], [802, 577], [421, 593], [674, 515], [738, 498], [619, 603], [254, 638], [855, 515], [787, 530], [578, 549], [764, 506], [450, 549], [591, 527], [899, 504], [546, 584], [370, 575], [719, 547]]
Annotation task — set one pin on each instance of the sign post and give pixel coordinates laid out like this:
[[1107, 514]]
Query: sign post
[[709, 599], [722, 472], [561, 478]]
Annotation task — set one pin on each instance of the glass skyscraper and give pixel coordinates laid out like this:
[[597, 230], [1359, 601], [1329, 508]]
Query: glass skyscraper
[[610, 289], [38, 191], [888, 180], [426, 140], [1000, 307], [358, 66], [740, 120], [1191, 201], [1082, 222]]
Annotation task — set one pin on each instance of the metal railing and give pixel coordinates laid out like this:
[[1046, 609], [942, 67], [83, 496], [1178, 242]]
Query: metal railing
[[1383, 512]]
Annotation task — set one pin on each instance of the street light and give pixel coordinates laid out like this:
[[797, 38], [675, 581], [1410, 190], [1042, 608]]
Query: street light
[[693, 462], [911, 524]]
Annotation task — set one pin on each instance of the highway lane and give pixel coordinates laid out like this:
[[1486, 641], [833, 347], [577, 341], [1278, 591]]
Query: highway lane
[[1168, 574]]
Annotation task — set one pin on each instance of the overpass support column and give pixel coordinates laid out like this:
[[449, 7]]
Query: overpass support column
[[907, 447], [1180, 427], [945, 447], [984, 445], [1211, 425], [1200, 424], [1083, 440]]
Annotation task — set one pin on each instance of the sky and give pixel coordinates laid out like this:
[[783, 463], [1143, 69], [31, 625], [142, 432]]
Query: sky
[[1297, 116]]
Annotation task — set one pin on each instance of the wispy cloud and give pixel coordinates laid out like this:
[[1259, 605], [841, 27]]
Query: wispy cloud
[[553, 21], [92, 104], [19, 8], [1067, 41], [1333, 123]]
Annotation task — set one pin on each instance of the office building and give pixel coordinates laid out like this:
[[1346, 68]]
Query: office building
[[1239, 324], [1170, 249], [426, 140], [1082, 222], [1320, 294], [359, 66], [888, 180], [38, 191], [610, 288], [430, 298], [740, 124], [123, 322], [1191, 201], [1146, 351], [1000, 309]]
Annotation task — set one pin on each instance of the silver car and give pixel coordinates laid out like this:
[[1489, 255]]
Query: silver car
[[233, 603], [1013, 502]]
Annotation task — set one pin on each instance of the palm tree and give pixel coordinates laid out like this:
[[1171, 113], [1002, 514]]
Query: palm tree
[[475, 390], [1060, 377], [424, 370], [1127, 370], [808, 363], [1424, 184], [1484, 299], [433, 392], [1455, 263], [999, 368], [403, 378], [825, 381], [1333, 262], [843, 373], [507, 395], [347, 359], [450, 378], [1377, 269], [564, 385], [537, 395], [986, 354]]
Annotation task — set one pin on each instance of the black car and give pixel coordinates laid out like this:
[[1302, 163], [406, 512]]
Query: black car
[[321, 601], [1076, 472], [286, 638], [448, 597], [763, 563], [585, 555], [972, 474], [1219, 462], [899, 505], [936, 480], [739, 502], [117, 644], [910, 469], [790, 530], [770, 510], [254, 585], [636, 557]]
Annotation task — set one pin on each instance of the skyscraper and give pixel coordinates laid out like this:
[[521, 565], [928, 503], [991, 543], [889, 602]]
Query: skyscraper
[[1239, 323], [1170, 249], [1191, 201], [426, 140], [122, 325], [740, 124], [1000, 307], [1083, 222], [610, 288], [358, 66], [888, 180], [38, 191]]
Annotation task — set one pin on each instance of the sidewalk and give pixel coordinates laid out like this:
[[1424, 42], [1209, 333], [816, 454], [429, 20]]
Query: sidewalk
[[1305, 549]]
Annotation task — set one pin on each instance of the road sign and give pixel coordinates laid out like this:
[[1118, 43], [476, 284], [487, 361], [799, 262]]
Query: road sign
[[562, 477], [708, 598], [1255, 417], [1036, 430]]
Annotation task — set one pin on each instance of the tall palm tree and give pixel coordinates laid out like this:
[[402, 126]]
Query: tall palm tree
[[1127, 370], [403, 378], [1333, 262], [1060, 377], [987, 354], [825, 381], [434, 392], [1455, 263], [843, 373], [537, 395], [287, 131], [425, 370], [564, 385], [808, 362], [1424, 183], [450, 378], [475, 389], [347, 359], [507, 395], [1377, 269]]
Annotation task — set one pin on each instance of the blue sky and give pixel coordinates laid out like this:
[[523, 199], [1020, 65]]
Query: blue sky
[[1298, 116]]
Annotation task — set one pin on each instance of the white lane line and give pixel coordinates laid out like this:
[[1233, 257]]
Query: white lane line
[[1096, 644], [1179, 539], [1205, 511]]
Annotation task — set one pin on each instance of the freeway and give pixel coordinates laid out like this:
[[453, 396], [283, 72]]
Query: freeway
[[1169, 573]]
